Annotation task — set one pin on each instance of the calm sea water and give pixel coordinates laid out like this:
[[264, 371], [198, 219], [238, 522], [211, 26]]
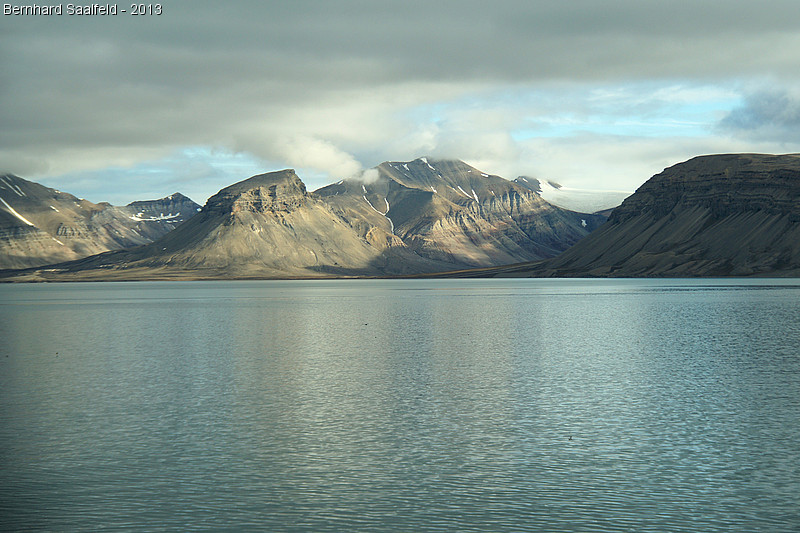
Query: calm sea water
[[455, 405]]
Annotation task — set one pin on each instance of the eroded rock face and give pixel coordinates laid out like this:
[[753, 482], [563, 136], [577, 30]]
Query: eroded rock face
[[271, 192], [719, 215], [723, 184]]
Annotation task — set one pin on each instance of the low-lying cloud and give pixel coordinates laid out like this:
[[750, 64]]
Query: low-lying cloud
[[309, 152], [368, 176]]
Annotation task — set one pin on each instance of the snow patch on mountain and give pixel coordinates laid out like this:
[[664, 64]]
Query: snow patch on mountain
[[425, 160], [14, 188], [13, 212], [140, 217]]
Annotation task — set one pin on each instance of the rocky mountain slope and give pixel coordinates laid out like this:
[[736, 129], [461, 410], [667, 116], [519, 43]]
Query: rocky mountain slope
[[418, 217], [717, 215], [448, 211], [40, 225]]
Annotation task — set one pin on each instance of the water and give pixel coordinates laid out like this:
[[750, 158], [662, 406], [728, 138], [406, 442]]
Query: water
[[431, 405]]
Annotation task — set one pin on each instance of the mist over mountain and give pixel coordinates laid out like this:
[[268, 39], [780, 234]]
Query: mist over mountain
[[716, 215], [40, 225]]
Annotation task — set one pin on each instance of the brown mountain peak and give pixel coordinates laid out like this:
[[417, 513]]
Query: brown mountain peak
[[271, 191]]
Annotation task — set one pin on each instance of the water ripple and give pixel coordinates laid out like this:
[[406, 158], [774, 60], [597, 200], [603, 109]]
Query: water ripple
[[383, 407]]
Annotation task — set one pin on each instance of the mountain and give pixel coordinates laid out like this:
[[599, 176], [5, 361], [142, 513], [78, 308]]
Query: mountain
[[268, 226], [40, 225], [716, 215], [155, 218], [581, 200], [449, 211], [418, 217]]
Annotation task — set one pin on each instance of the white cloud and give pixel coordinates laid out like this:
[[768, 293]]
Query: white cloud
[[317, 154], [368, 176]]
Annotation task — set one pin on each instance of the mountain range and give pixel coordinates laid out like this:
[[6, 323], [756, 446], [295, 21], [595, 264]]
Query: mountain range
[[448, 211], [41, 226], [715, 215], [400, 218]]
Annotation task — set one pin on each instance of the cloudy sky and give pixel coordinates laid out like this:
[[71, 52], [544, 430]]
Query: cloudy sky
[[591, 93]]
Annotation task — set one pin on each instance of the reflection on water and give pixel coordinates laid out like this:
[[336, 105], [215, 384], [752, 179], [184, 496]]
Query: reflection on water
[[431, 405]]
